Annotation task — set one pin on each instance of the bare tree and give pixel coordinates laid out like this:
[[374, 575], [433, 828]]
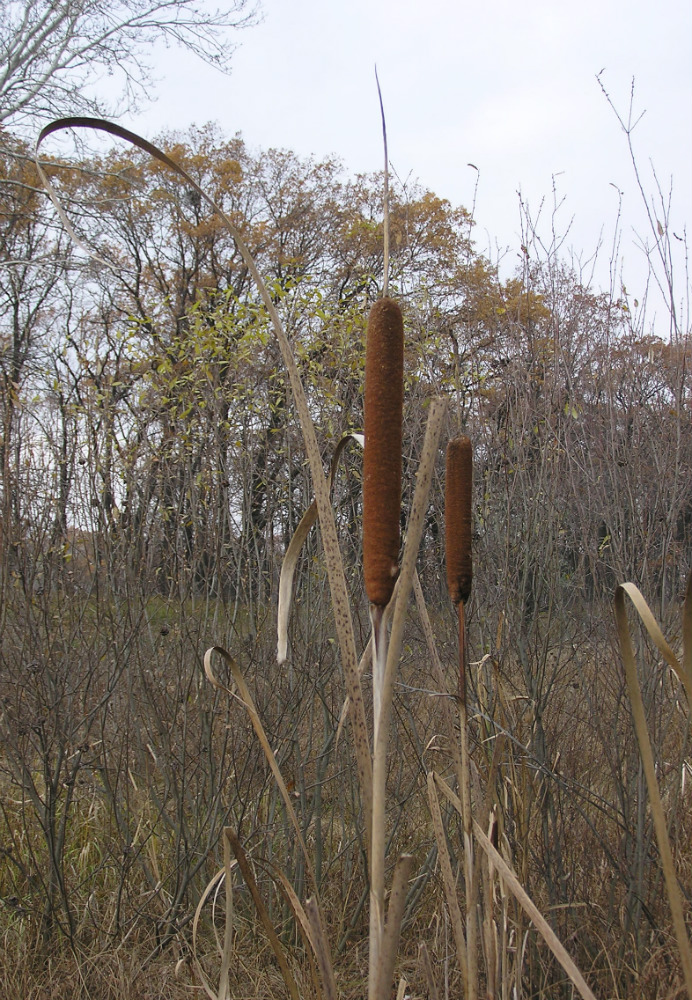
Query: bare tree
[[53, 55]]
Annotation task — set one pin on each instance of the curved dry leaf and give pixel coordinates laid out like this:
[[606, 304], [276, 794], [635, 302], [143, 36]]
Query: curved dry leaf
[[288, 568], [290, 560], [263, 915], [654, 630], [304, 926], [414, 533], [222, 877], [245, 698], [321, 946]]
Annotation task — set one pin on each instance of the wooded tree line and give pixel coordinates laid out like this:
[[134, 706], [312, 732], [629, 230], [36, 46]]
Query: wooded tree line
[[152, 475], [146, 428]]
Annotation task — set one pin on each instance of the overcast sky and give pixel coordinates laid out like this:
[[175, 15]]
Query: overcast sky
[[509, 87]]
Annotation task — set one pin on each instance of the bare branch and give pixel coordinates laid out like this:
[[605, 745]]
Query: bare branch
[[53, 55]]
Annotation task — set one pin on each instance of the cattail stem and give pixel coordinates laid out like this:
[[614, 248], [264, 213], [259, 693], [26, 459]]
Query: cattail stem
[[458, 495], [461, 617], [470, 869], [379, 777]]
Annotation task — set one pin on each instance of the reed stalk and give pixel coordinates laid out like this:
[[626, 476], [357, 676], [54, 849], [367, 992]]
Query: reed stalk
[[458, 493], [683, 669]]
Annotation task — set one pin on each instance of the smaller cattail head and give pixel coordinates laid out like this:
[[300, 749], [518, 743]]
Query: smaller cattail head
[[458, 487]]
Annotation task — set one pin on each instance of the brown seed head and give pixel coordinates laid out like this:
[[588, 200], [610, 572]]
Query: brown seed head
[[384, 398], [459, 481]]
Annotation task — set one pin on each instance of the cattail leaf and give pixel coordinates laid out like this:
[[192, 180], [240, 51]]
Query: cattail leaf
[[429, 974], [288, 568], [395, 914], [384, 397], [414, 533], [458, 493], [438, 673]]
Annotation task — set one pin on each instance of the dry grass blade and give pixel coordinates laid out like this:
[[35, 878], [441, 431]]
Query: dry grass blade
[[539, 921], [414, 533], [395, 914], [290, 560], [263, 915], [245, 698], [385, 248], [514, 885], [448, 877], [288, 568], [304, 927], [335, 569], [447, 711], [459, 749], [658, 815], [428, 969], [490, 935], [366, 658], [321, 947], [228, 920], [222, 877]]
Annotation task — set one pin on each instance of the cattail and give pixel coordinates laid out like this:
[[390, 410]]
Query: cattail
[[384, 398], [459, 480]]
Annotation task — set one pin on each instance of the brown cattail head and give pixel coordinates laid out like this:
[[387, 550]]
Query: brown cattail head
[[459, 481], [384, 399]]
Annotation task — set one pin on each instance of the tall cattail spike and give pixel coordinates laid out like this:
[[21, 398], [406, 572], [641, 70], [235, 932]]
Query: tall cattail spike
[[458, 489], [384, 398]]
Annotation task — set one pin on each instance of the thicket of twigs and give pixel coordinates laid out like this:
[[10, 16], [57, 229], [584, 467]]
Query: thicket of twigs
[[154, 473]]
